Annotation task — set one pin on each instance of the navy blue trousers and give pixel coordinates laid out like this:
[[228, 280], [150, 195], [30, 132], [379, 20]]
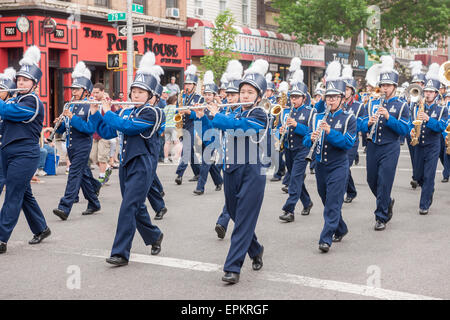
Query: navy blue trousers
[[80, 175], [281, 165], [426, 159], [331, 190], [20, 162], [286, 179], [2, 177], [208, 166], [296, 166], [188, 148], [351, 154], [244, 194], [135, 181], [445, 159], [154, 193], [411, 155], [224, 217], [381, 166]]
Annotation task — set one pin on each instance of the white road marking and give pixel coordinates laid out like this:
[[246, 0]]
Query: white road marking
[[338, 286]]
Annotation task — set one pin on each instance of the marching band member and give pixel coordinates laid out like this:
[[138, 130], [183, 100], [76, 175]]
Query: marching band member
[[79, 130], [417, 78], [138, 127], [388, 119], [434, 121], [209, 94], [270, 92], [7, 82], [296, 127], [283, 90], [189, 98], [156, 193], [22, 125], [357, 109], [335, 133], [443, 155], [234, 76], [243, 182]]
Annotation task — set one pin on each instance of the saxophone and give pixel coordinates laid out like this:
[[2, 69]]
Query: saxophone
[[417, 126], [178, 117]]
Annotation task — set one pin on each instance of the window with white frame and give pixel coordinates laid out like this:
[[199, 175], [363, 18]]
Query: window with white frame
[[245, 12], [222, 5]]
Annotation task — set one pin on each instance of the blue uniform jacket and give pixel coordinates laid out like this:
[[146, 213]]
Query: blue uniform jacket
[[388, 131], [360, 112], [23, 117], [333, 147], [293, 139], [431, 130], [244, 131], [79, 129], [139, 130]]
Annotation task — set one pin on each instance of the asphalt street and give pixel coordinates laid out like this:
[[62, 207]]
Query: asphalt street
[[409, 260]]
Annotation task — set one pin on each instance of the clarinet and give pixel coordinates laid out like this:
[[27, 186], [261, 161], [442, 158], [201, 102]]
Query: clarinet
[[372, 130], [58, 123], [309, 157], [283, 137]]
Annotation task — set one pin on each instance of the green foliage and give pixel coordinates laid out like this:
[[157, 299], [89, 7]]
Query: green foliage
[[222, 42], [412, 22]]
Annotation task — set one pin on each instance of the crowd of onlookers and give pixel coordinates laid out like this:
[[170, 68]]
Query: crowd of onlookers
[[105, 152]]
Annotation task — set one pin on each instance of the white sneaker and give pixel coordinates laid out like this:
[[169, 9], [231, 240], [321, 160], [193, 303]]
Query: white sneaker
[[41, 173], [166, 160]]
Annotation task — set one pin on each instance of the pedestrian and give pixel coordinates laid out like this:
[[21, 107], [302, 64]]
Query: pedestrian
[[173, 86], [172, 144]]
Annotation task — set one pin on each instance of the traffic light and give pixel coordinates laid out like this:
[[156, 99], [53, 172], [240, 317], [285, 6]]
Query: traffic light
[[137, 59], [114, 61]]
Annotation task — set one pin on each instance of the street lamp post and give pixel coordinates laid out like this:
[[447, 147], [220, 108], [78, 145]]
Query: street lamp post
[[130, 45]]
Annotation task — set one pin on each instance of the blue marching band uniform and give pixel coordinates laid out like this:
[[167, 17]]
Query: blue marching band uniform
[[294, 150], [79, 130], [238, 135], [188, 153], [23, 118]]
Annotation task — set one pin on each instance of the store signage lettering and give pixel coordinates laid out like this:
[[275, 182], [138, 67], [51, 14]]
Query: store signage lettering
[[334, 54], [59, 33], [90, 33], [167, 52], [272, 47], [10, 31]]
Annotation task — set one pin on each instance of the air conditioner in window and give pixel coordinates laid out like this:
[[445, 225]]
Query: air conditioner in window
[[173, 13], [199, 12]]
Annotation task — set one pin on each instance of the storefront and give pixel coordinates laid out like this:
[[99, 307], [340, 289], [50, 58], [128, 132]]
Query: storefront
[[90, 41], [251, 44]]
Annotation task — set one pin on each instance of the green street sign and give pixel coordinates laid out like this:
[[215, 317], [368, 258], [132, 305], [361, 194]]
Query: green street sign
[[137, 8], [117, 16]]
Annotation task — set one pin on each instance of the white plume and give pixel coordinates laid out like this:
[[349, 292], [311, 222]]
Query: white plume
[[234, 70], [259, 66], [297, 76], [224, 78], [416, 67], [192, 69], [319, 86], [81, 70], [387, 64], [433, 72], [269, 77], [9, 74], [347, 72], [283, 87], [31, 56], [147, 63], [208, 78], [405, 85], [333, 71], [157, 72], [373, 74], [295, 64]]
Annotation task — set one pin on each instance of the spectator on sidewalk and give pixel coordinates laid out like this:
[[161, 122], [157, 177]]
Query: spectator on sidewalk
[[172, 143]]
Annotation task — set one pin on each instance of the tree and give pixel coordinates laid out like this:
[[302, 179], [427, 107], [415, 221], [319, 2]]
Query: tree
[[221, 45], [411, 22]]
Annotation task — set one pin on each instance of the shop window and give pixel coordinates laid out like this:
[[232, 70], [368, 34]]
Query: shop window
[[102, 3], [14, 55]]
